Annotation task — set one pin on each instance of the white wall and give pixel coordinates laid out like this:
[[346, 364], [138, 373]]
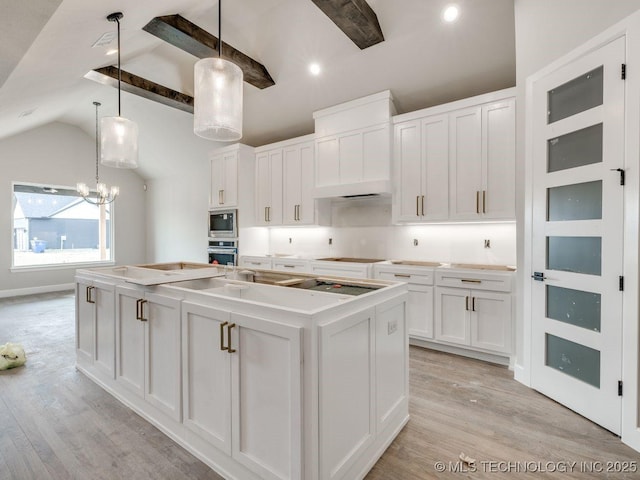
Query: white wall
[[60, 154], [545, 31]]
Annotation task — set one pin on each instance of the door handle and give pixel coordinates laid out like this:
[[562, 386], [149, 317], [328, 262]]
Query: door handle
[[229, 349], [422, 204], [222, 325]]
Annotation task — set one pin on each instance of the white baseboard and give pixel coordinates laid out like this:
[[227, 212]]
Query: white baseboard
[[522, 375], [485, 357], [18, 292]]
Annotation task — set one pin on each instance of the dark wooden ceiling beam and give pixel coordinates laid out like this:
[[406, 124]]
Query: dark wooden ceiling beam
[[142, 87], [187, 36], [355, 18]]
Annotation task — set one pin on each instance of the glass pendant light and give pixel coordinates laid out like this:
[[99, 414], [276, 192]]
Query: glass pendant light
[[217, 105], [103, 195], [119, 138]]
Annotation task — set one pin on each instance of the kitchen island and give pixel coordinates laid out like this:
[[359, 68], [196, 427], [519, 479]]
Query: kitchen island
[[260, 374]]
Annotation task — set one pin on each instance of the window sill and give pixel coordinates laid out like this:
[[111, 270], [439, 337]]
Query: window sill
[[60, 266]]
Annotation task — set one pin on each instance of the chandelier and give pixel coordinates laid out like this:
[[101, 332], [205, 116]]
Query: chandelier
[[217, 105], [102, 195]]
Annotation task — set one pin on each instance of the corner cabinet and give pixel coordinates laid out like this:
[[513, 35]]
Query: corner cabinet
[[284, 184], [456, 162]]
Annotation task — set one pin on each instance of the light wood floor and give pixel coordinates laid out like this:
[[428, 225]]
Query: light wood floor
[[56, 424]]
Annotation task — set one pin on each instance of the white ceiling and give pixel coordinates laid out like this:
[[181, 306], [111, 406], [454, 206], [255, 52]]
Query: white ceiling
[[46, 52]]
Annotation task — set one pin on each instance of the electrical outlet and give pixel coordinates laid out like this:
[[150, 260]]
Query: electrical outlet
[[487, 243], [415, 242], [331, 241], [392, 327]]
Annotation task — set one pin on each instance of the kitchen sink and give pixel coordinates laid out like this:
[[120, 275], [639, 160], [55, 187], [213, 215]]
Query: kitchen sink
[[415, 263], [475, 266], [352, 260]]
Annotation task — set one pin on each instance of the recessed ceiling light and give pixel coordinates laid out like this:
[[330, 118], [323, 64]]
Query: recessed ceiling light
[[314, 69], [113, 51], [451, 13]]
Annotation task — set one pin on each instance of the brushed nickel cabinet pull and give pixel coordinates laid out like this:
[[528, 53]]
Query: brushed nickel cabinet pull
[[222, 197], [484, 201], [222, 325], [477, 201], [473, 304], [466, 303], [417, 205], [470, 280], [90, 295], [268, 214], [402, 275], [422, 204], [299, 206], [142, 317], [265, 213], [138, 314], [229, 349]]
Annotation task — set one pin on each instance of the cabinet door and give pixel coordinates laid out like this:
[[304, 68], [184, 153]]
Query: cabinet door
[[350, 158], [269, 188], [465, 187], [491, 321], [162, 347], [376, 153], [434, 202], [307, 204], [452, 315], [345, 271], [267, 370], [408, 168], [292, 191], [130, 340], [206, 374], [217, 181], [420, 311], [327, 162], [229, 196], [105, 358], [85, 323], [498, 160]]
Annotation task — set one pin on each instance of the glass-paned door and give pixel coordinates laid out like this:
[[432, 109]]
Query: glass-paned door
[[577, 234]]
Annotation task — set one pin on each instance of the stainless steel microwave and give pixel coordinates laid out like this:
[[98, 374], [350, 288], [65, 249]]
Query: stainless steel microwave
[[223, 223]]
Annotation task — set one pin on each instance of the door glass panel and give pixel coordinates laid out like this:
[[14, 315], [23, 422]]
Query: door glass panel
[[575, 96], [575, 149], [582, 201], [575, 254], [573, 359], [575, 307]]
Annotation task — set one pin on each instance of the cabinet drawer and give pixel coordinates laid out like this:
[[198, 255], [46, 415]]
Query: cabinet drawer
[[256, 262], [290, 265], [421, 276], [477, 280]]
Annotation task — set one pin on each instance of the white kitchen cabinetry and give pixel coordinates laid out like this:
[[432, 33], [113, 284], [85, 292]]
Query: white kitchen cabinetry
[[284, 264], [284, 184], [259, 362], [252, 261], [148, 346], [269, 188], [224, 179], [478, 316], [420, 303], [95, 326], [353, 147], [482, 162], [342, 269], [421, 153]]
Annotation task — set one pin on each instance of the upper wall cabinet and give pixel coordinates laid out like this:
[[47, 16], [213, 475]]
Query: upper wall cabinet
[[482, 162], [231, 169], [456, 162], [353, 147], [284, 184]]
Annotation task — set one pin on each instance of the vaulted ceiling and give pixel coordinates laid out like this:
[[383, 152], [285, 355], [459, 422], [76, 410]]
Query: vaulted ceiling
[[46, 50]]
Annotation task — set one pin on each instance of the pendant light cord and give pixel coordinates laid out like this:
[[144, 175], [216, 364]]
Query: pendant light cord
[[119, 69], [97, 104], [219, 28]]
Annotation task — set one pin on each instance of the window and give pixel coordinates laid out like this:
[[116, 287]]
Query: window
[[55, 226]]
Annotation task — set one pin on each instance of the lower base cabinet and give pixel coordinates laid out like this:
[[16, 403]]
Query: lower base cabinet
[[148, 347], [242, 388], [474, 318]]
